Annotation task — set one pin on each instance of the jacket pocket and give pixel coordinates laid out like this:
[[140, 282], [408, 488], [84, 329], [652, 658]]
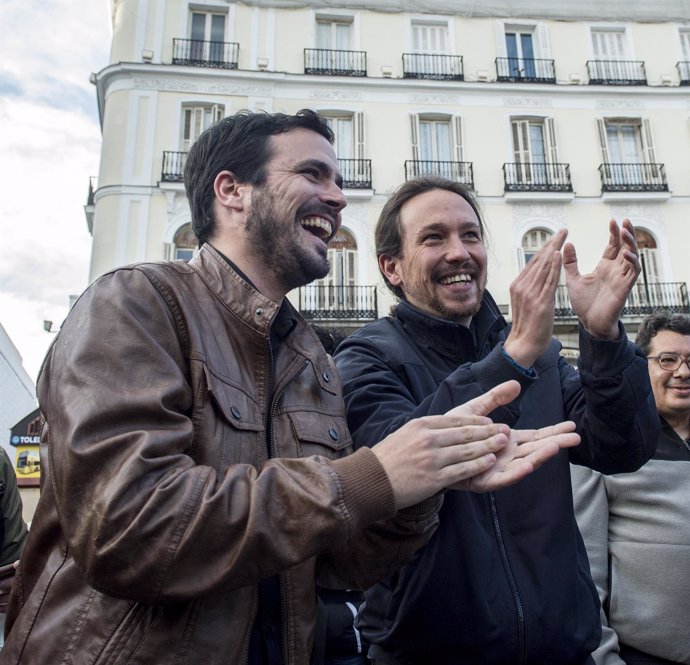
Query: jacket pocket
[[320, 434]]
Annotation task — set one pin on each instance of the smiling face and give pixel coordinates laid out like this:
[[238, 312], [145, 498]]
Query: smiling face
[[296, 211], [671, 389], [442, 264]]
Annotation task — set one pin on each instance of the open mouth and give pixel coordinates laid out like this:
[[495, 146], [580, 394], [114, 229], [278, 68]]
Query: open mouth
[[318, 226], [459, 278]]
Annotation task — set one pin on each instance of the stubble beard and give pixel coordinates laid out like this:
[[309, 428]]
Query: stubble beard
[[275, 244]]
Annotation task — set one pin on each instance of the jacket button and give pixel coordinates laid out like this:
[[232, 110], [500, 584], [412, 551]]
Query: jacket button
[[326, 376], [334, 434], [235, 412], [259, 311]]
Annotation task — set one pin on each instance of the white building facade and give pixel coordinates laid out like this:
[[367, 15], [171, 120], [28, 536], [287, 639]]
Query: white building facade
[[553, 119]]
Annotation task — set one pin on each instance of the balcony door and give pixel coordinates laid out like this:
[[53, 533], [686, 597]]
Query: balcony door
[[343, 130], [207, 33], [334, 39], [534, 148], [648, 291], [337, 290], [195, 119], [628, 152], [520, 52], [624, 143]]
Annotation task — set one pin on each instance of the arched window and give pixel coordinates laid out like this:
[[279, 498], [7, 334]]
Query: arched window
[[184, 243], [649, 257], [532, 242]]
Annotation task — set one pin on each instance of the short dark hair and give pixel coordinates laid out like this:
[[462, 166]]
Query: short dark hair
[[658, 321], [239, 144], [388, 235]]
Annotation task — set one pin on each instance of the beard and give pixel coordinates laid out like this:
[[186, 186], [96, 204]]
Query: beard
[[275, 242]]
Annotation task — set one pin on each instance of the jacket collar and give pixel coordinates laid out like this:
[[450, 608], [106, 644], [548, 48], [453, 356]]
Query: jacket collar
[[459, 342]]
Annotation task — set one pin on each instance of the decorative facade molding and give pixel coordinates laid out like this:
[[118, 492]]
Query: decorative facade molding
[[179, 85], [335, 94], [615, 104], [531, 102], [423, 98]]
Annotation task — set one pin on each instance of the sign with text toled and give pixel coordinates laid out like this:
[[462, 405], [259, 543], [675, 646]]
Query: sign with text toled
[[25, 436]]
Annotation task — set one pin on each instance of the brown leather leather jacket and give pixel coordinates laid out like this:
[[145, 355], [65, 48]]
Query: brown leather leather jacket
[[161, 505]]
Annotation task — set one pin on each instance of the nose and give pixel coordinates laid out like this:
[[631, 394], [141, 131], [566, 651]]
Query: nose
[[456, 250], [334, 197], [684, 368]]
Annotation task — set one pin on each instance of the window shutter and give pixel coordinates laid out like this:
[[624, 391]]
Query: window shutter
[[551, 147], [359, 135], [601, 125], [457, 139], [414, 127], [501, 50], [543, 46], [647, 144]]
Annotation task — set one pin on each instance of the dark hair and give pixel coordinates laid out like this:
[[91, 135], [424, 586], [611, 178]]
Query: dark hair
[[239, 144], [661, 320], [388, 234]]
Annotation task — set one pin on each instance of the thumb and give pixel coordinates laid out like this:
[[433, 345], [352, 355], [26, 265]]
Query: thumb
[[503, 393], [570, 260]]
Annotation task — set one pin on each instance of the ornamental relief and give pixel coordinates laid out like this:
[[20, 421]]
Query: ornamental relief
[[335, 94], [214, 88], [613, 104], [421, 98], [532, 102]]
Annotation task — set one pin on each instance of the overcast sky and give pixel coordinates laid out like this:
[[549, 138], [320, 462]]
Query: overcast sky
[[49, 147]]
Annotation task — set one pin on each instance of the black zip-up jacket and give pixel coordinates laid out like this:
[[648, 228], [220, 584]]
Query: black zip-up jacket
[[505, 579]]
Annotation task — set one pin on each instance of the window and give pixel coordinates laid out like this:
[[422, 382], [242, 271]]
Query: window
[[534, 149], [626, 141], [532, 242], [430, 37], [207, 34], [184, 243], [197, 118], [685, 44], [609, 44], [334, 34], [348, 129], [520, 51], [338, 290], [343, 129], [437, 148]]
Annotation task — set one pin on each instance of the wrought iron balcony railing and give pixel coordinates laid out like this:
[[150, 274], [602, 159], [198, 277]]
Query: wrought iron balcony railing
[[457, 171], [205, 54], [173, 166], [432, 66], [537, 177], [356, 173], [334, 62], [645, 298], [633, 177], [525, 70], [616, 72], [354, 303], [684, 71]]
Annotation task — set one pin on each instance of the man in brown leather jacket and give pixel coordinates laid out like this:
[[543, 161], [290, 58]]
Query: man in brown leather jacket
[[198, 474]]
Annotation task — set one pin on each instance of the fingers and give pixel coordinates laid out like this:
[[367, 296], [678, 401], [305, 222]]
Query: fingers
[[526, 435], [502, 394]]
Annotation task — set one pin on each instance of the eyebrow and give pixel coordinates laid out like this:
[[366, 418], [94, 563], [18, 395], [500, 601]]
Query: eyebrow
[[439, 226], [324, 169]]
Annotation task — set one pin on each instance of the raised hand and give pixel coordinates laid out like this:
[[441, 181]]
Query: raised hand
[[533, 302], [598, 297]]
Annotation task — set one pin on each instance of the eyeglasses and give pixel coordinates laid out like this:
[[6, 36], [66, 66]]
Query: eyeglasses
[[670, 362]]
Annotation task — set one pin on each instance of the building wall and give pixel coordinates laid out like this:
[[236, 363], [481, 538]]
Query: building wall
[[142, 96]]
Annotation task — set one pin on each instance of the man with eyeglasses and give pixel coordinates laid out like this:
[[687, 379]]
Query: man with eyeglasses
[[636, 526]]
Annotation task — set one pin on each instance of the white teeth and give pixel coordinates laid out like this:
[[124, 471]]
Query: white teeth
[[455, 279], [317, 224]]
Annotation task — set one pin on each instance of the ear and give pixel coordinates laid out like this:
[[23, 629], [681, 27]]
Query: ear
[[390, 268], [230, 193]]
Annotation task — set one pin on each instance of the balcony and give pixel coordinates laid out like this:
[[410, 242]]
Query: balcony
[[525, 70], [633, 178], [644, 299], [205, 54], [356, 173], [338, 303], [684, 72], [173, 166], [537, 177], [432, 66], [458, 171], [616, 72], [330, 62]]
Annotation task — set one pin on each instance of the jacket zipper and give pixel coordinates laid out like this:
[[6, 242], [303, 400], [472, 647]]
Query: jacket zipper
[[519, 609], [273, 399]]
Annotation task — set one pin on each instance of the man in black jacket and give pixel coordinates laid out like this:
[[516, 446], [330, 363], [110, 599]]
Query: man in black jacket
[[505, 579]]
